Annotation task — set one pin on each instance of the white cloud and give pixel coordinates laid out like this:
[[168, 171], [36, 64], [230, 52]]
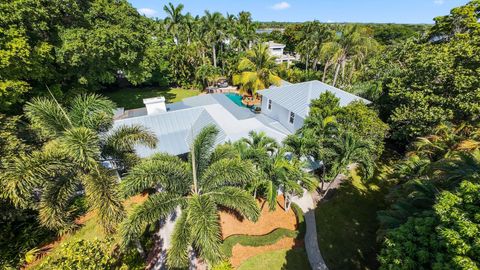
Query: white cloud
[[438, 2], [281, 6], [147, 11]]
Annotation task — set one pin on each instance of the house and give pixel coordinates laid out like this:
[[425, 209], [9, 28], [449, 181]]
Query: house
[[289, 104], [276, 49], [284, 109]]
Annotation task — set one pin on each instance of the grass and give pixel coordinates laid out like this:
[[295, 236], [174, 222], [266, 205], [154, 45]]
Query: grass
[[347, 224], [277, 260], [256, 240], [132, 98]]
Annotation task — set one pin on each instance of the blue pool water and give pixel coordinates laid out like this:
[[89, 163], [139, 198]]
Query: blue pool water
[[236, 98]]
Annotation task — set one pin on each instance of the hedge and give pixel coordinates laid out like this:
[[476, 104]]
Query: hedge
[[256, 240]]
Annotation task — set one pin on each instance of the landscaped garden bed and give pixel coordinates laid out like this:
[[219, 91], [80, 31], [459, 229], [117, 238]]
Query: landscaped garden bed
[[274, 231]]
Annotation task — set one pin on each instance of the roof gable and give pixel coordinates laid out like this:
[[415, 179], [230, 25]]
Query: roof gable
[[297, 97]]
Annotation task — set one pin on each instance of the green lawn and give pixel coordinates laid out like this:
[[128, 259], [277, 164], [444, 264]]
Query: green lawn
[[347, 225], [288, 259], [132, 98]]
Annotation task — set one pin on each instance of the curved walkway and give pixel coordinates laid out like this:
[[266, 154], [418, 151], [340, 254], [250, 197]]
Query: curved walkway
[[311, 243]]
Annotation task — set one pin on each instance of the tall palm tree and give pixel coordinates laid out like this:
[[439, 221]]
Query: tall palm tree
[[257, 70], [69, 164], [350, 49], [174, 20], [214, 24], [244, 31], [198, 188]]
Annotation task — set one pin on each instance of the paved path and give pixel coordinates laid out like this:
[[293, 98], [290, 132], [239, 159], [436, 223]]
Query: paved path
[[311, 244]]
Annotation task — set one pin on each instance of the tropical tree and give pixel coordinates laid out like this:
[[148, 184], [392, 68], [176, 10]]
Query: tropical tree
[[197, 189], [348, 50], [243, 32], [174, 20], [69, 164], [257, 70], [277, 170], [214, 24]]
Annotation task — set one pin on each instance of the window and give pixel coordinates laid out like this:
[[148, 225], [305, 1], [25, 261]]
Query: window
[[292, 118], [269, 104]]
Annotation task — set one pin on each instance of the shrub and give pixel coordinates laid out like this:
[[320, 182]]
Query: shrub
[[302, 227], [256, 240], [81, 254]]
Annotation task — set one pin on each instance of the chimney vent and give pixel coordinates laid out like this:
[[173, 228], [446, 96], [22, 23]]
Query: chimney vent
[[155, 105]]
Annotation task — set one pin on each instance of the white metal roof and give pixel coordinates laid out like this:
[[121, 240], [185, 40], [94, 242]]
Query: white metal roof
[[172, 129], [297, 97], [176, 129]]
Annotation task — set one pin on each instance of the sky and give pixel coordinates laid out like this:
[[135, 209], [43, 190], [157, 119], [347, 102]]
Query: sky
[[366, 11]]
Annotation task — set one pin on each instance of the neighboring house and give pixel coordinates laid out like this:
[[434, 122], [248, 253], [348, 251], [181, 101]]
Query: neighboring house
[[276, 49], [284, 109], [289, 104]]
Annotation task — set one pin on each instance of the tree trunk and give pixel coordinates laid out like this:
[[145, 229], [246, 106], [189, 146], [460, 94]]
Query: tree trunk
[[306, 62], [214, 55], [140, 249], [337, 69], [325, 68], [315, 62]]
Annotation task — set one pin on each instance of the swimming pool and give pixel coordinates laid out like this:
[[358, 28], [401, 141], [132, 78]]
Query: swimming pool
[[236, 98]]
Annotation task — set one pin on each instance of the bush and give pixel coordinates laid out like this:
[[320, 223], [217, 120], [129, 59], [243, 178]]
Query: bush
[[302, 227], [256, 240], [81, 254]]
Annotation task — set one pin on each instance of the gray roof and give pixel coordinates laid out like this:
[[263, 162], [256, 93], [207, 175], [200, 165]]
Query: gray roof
[[297, 97], [174, 130]]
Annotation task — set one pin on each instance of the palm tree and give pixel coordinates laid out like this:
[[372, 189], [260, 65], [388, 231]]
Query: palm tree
[[276, 170], [174, 20], [257, 70], [198, 188], [461, 166], [348, 150], [214, 24], [259, 146], [69, 164], [349, 49], [244, 31], [446, 140], [281, 173]]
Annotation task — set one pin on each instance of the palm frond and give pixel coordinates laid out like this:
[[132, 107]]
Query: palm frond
[[157, 206], [125, 138], [227, 172], [101, 188], [47, 116], [177, 256], [81, 144], [224, 151], [92, 111], [203, 147], [160, 171], [54, 202], [236, 199], [205, 228]]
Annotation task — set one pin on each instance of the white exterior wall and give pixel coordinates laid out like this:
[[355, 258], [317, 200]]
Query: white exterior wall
[[282, 115]]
